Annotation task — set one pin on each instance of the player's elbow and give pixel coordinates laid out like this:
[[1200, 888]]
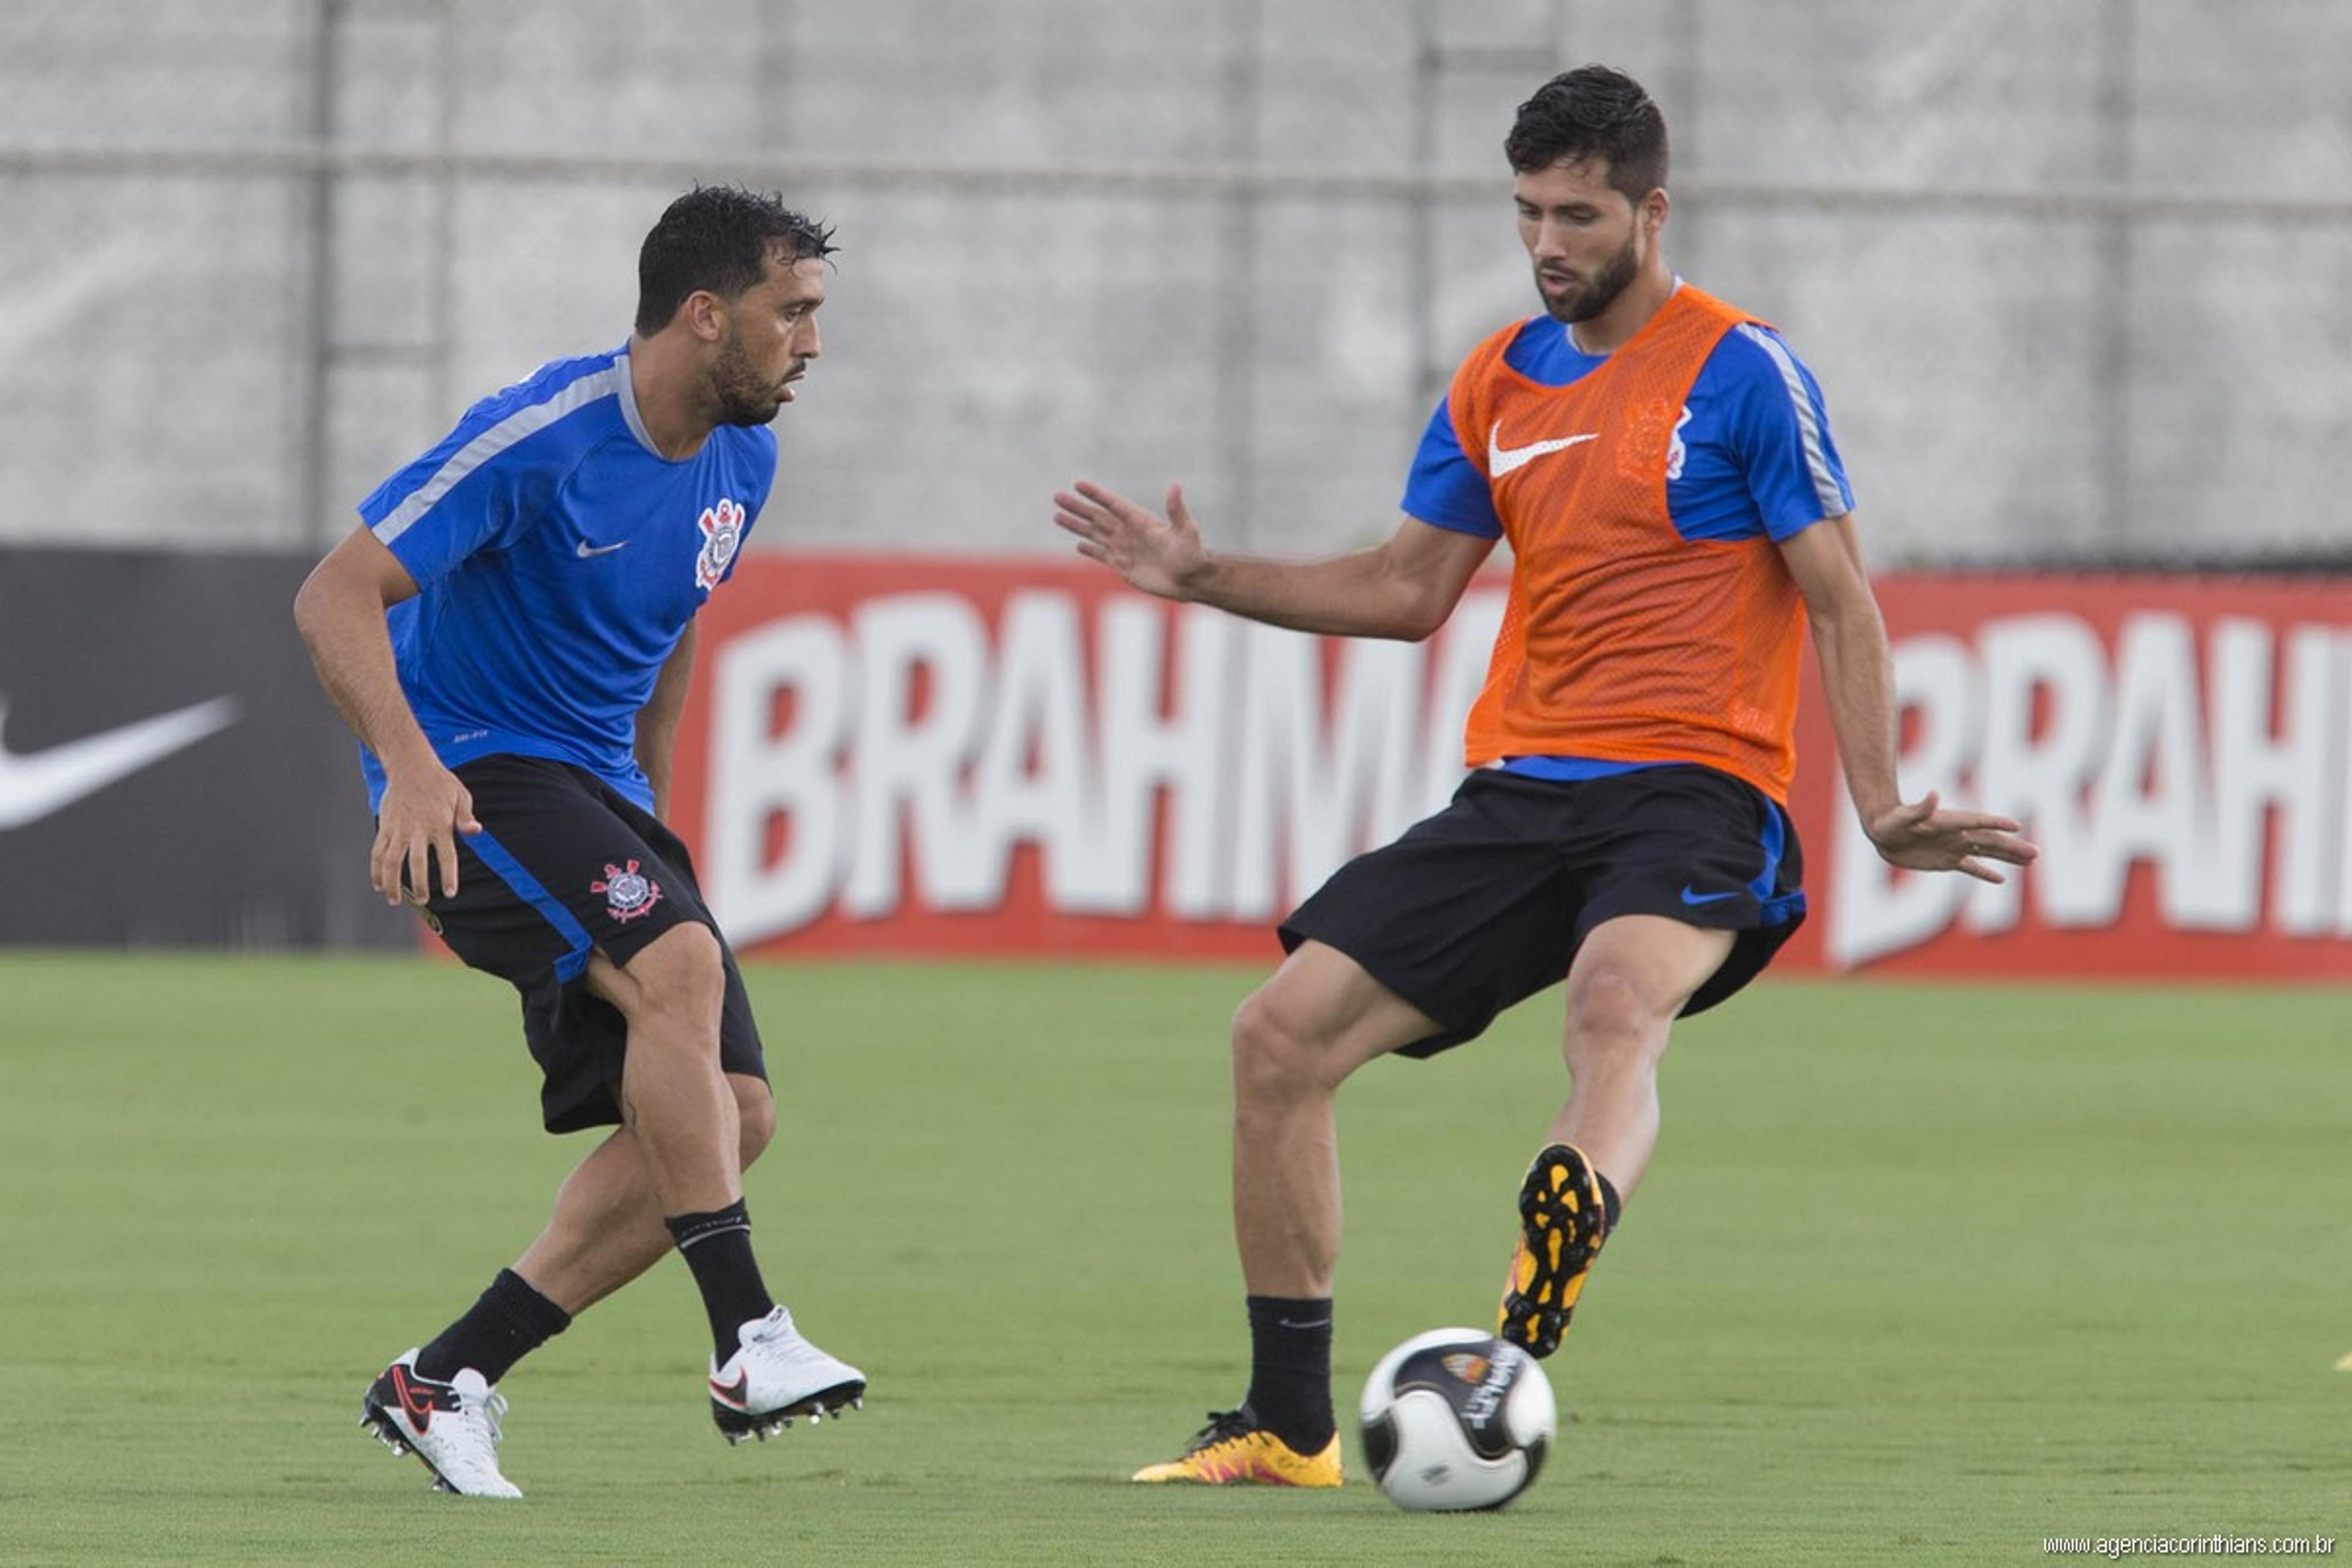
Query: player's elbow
[[1417, 627], [1401, 608], [325, 597], [1418, 615], [354, 583], [1413, 599], [309, 604]]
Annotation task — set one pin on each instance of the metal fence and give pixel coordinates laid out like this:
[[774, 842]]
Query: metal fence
[[2075, 273]]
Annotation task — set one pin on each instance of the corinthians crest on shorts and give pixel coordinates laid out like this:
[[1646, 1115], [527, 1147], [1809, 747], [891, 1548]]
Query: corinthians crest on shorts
[[629, 893]]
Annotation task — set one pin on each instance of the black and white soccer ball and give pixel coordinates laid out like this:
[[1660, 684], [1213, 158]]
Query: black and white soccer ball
[[1456, 1420]]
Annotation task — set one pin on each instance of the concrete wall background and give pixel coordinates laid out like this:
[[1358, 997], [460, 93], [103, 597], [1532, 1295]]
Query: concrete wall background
[[2075, 273]]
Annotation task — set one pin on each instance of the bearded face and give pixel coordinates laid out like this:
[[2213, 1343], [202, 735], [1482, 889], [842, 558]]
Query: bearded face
[[1589, 298], [743, 393]]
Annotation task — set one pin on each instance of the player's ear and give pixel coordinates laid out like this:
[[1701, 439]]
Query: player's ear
[[1654, 209], [704, 315]]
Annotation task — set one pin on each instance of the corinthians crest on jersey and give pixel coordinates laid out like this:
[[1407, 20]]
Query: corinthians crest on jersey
[[722, 530]]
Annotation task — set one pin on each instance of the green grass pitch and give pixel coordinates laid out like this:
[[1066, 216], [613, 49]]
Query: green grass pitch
[[1921, 1274]]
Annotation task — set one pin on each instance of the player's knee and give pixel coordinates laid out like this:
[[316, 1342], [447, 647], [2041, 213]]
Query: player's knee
[[682, 973], [756, 1109], [1274, 1056], [1613, 1016]]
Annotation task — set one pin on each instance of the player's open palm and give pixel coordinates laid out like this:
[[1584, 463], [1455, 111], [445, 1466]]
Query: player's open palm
[[417, 824], [1158, 554], [1922, 837]]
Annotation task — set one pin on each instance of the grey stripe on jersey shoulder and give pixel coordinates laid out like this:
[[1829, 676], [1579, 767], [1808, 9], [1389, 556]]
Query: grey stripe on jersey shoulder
[[626, 384], [517, 426], [1809, 419]]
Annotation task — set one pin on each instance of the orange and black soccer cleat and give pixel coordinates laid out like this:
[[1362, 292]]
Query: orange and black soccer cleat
[[1563, 1220], [1234, 1450]]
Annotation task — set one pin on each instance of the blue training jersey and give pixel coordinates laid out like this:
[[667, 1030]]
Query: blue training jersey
[[558, 557], [1751, 457]]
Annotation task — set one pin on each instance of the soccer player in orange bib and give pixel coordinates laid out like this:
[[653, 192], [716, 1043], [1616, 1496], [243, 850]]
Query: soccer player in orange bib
[[1661, 464]]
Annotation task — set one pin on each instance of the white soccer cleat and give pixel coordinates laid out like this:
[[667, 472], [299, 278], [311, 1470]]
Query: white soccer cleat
[[775, 1376], [452, 1428]]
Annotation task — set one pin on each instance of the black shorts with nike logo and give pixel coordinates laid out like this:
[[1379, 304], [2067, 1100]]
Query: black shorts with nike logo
[[565, 865], [1486, 904]]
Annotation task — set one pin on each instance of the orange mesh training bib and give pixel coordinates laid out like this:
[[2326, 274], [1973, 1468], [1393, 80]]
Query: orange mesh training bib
[[1623, 640]]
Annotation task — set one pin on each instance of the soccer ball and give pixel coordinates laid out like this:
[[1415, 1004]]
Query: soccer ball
[[1456, 1420]]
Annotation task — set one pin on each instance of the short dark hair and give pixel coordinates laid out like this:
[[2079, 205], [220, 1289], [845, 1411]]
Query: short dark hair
[[1592, 111], [720, 237]]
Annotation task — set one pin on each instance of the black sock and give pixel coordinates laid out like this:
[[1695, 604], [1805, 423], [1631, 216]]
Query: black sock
[[717, 1247], [510, 1321], [1290, 1370], [1611, 1205]]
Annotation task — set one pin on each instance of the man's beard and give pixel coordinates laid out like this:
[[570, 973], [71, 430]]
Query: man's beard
[[1602, 292], [742, 396]]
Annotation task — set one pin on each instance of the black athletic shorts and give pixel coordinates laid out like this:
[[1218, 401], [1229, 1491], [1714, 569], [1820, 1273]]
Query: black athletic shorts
[[1486, 904], [565, 865]]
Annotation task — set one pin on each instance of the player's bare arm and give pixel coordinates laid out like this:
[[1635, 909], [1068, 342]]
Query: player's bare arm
[[657, 719], [1403, 588], [1857, 675], [339, 613]]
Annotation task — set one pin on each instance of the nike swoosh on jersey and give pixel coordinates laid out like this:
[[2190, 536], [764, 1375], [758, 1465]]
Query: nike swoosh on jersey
[[585, 550], [1502, 460], [1693, 896], [37, 785]]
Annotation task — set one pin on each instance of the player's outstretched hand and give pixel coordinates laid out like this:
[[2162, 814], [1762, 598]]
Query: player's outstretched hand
[[1924, 838], [1159, 555], [416, 824]]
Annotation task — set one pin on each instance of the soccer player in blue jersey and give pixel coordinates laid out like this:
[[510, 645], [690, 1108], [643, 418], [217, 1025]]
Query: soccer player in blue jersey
[[510, 633], [1662, 466]]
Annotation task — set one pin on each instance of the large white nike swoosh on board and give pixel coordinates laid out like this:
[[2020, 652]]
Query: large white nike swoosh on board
[[1502, 460], [33, 786]]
